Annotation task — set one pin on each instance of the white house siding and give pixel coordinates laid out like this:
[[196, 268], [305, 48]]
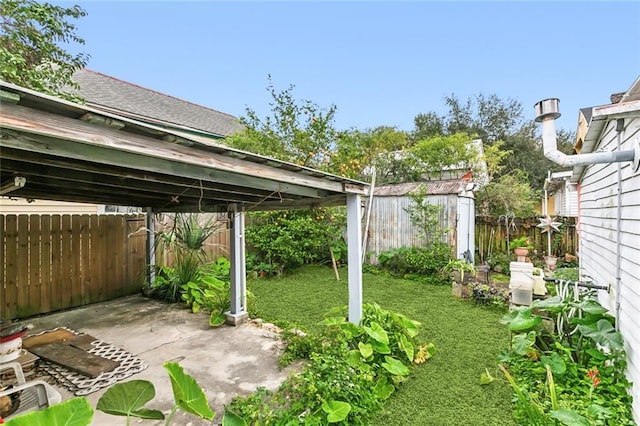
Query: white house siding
[[598, 225]]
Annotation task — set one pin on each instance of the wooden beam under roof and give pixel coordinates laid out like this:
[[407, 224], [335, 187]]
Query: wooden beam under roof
[[35, 122], [131, 160], [22, 162]]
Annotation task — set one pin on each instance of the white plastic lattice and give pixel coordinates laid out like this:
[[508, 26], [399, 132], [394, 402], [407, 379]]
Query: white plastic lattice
[[83, 385]]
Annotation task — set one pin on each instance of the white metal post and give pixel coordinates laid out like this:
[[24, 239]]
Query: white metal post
[[238, 312], [354, 256], [151, 245]]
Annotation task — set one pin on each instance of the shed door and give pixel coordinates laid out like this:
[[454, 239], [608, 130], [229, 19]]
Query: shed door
[[466, 228]]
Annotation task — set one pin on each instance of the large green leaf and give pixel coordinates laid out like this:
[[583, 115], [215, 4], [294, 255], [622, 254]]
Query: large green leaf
[[383, 389], [551, 304], [523, 320], [72, 412], [333, 321], [521, 343], [395, 366], [366, 350], [380, 348], [592, 307], [569, 417], [217, 319], [186, 392], [377, 333], [406, 346], [411, 326], [128, 399], [354, 359], [336, 411], [555, 362], [604, 334], [232, 419]]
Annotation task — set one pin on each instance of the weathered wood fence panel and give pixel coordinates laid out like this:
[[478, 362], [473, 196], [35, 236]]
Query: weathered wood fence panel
[[53, 262], [491, 236]]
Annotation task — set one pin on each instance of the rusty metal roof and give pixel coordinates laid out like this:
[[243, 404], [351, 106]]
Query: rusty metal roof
[[435, 187]]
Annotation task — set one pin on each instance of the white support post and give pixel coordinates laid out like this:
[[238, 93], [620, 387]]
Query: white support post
[[151, 245], [354, 257], [238, 313]]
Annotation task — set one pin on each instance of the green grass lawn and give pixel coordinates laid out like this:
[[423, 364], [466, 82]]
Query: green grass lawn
[[446, 389]]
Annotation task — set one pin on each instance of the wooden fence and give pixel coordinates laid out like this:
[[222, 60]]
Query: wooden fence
[[53, 262], [217, 245], [491, 236]]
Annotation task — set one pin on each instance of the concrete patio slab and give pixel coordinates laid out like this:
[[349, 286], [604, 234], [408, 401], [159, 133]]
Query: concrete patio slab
[[226, 361]]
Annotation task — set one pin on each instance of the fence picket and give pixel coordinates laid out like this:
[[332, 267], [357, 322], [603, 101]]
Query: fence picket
[[45, 263], [22, 261], [10, 304]]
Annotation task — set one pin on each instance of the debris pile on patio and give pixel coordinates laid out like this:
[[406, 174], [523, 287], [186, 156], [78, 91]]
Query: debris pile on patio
[[80, 362]]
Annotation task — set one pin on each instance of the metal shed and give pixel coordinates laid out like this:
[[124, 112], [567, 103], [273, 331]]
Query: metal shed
[[390, 224]]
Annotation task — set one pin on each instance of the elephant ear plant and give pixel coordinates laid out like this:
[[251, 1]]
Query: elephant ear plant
[[570, 344], [128, 399]]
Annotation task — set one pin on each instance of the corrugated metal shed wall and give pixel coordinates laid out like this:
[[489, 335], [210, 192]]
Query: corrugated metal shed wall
[[390, 225]]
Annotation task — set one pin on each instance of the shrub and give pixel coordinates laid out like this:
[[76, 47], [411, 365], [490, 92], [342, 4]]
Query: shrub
[[283, 240], [351, 371], [567, 359], [418, 263]]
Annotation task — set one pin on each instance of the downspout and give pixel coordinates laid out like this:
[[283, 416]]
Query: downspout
[[546, 112], [619, 130]]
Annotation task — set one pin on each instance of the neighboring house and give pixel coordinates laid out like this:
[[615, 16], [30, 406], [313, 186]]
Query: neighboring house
[[22, 206], [390, 225], [561, 195], [129, 100], [609, 217]]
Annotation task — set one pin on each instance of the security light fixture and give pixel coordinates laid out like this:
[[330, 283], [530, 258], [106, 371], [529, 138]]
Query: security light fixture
[[16, 183]]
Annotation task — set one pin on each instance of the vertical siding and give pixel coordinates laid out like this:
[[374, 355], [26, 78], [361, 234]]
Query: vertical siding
[[391, 226], [598, 211]]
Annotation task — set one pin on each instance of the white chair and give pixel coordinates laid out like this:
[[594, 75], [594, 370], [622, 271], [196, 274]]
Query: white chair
[[33, 395]]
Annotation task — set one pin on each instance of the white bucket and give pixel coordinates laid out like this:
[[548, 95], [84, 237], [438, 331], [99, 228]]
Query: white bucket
[[10, 350], [521, 293]]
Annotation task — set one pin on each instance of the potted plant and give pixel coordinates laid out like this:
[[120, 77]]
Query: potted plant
[[459, 270], [520, 247]]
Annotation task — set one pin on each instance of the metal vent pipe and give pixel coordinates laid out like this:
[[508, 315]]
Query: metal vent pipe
[[546, 113]]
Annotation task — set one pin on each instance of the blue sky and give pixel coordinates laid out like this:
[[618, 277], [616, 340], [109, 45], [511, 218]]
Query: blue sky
[[380, 63]]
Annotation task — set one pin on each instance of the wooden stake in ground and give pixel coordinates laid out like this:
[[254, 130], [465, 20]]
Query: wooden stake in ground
[[333, 262]]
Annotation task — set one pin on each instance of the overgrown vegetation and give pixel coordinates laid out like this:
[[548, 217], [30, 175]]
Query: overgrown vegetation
[[444, 390], [283, 240], [566, 363], [351, 370], [192, 278], [417, 263]]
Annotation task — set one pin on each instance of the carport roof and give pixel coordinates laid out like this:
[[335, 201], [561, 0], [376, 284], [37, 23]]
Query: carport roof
[[72, 152]]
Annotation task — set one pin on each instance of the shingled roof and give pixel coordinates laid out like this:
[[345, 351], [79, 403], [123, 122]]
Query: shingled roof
[[130, 100]]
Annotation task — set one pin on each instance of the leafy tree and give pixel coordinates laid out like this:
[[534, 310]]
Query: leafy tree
[[436, 155], [30, 53], [427, 126], [496, 121], [509, 193], [358, 151], [297, 131]]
